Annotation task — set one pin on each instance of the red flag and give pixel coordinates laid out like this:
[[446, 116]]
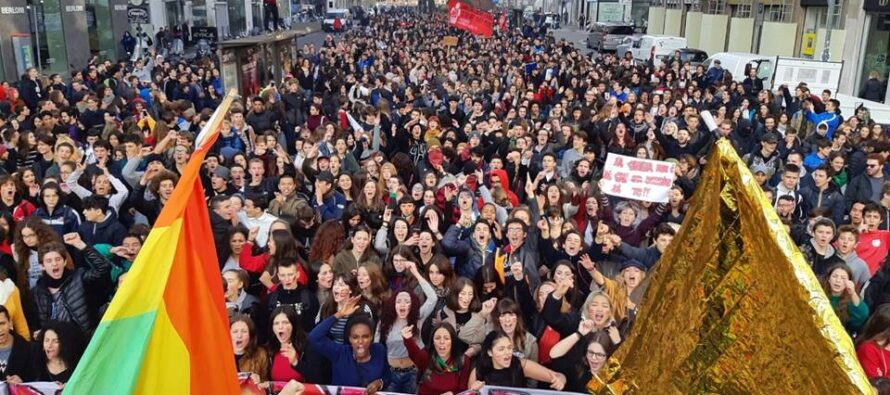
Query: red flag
[[463, 16], [503, 22]]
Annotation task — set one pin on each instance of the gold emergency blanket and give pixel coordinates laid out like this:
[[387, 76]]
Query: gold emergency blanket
[[733, 308]]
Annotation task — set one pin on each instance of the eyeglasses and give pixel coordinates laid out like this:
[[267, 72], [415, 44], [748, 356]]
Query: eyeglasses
[[595, 354]]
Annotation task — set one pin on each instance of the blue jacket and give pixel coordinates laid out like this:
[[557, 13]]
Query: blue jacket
[[345, 370], [647, 256], [332, 208], [233, 141], [468, 257], [110, 231], [713, 75], [833, 120], [63, 219]]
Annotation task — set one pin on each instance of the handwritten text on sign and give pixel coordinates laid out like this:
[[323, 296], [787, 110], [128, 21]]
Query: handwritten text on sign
[[639, 179]]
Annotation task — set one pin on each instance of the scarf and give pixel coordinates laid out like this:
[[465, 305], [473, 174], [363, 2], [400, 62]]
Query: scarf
[[444, 366], [50, 282]]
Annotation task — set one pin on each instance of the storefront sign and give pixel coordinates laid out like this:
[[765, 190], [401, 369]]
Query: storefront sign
[[208, 33], [74, 8], [639, 179], [137, 12], [877, 6], [12, 10]]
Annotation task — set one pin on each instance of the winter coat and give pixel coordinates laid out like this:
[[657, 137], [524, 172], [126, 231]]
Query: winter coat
[[831, 199], [24, 360], [73, 296], [109, 231], [819, 263], [468, 256], [873, 90], [63, 219]]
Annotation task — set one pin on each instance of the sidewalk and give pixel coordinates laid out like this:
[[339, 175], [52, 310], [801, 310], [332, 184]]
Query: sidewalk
[[573, 34]]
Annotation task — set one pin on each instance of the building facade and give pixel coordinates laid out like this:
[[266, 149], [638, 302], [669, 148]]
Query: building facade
[[58, 35], [856, 32]]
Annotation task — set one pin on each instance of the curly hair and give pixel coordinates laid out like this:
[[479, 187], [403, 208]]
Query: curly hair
[[328, 241], [164, 175], [45, 235], [71, 342]]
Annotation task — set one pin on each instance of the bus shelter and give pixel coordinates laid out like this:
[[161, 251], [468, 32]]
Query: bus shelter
[[251, 62]]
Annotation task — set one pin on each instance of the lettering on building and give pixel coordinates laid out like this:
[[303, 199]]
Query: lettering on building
[[74, 8], [12, 10]]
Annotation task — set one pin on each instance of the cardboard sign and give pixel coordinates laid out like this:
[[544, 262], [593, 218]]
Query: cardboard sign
[[449, 41], [638, 179]]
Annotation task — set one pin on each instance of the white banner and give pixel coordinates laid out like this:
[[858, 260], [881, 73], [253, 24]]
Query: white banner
[[638, 179]]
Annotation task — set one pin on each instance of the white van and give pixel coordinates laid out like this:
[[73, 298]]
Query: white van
[[776, 70], [651, 46]]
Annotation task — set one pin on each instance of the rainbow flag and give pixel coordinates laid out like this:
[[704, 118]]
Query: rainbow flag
[[166, 331]]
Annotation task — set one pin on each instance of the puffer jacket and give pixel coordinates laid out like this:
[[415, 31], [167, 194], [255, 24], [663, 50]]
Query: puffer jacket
[[73, 292]]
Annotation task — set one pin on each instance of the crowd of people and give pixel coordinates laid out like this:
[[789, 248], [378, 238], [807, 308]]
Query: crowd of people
[[410, 216]]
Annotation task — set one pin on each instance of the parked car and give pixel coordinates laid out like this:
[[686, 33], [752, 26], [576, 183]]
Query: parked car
[[606, 36], [551, 20], [778, 70], [695, 57], [328, 23], [652, 47]]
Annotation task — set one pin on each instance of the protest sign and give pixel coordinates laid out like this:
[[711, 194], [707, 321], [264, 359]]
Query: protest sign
[[449, 41], [639, 179]]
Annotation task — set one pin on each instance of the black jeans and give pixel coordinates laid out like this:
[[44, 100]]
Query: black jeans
[[271, 9]]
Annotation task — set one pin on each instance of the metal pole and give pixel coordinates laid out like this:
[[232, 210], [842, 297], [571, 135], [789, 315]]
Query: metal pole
[[832, 14], [37, 36]]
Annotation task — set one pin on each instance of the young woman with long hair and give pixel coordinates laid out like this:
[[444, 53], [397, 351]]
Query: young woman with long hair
[[61, 346], [841, 291], [373, 285], [507, 317], [442, 367], [597, 347], [236, 238], [396, 233], [286, 344], [370, 203], [250, 357], [497, 365], [400, 311], [358, 251], [29, 236], [328, 240], [395, 269], [465, 312]]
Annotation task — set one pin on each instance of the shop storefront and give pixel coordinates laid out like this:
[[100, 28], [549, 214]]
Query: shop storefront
[[106, 23], [876, 45], [15, 46]]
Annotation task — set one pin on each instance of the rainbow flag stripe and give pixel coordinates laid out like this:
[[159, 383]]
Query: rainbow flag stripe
[[166, 330]]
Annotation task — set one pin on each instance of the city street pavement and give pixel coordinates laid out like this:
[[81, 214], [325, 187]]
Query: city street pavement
[[316, 38], [570, 33], [575, 35]]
